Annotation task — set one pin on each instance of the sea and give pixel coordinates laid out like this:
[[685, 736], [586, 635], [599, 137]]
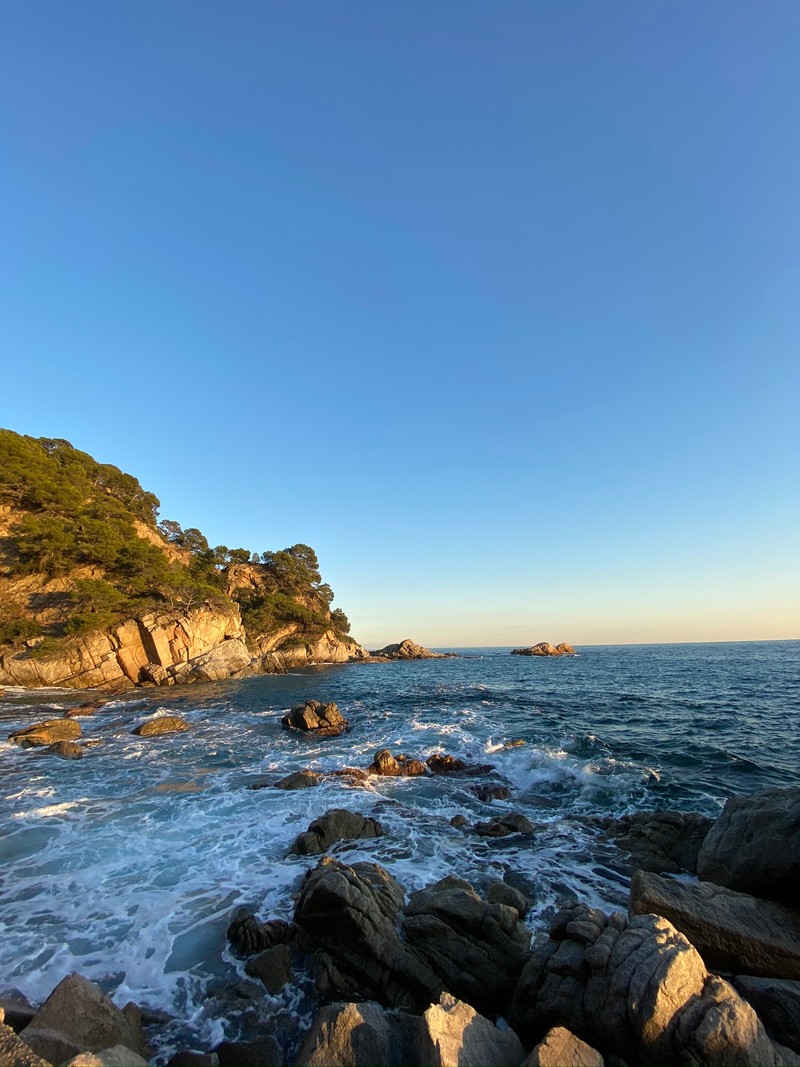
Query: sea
[[127, 865]]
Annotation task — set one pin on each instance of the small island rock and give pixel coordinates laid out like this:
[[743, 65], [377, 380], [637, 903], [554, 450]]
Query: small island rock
[[163, 724], [46, 733], [544, 648], [323, 720]]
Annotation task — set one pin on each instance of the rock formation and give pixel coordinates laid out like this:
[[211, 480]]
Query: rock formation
[[46, 733], [321, 720], [544, 648], [407, 649], [665, 842], [335, 825]]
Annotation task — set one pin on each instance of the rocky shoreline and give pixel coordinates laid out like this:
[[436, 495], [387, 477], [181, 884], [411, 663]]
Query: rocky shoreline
[[704, 969]]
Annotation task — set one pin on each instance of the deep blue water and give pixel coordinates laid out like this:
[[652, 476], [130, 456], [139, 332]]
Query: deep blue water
[[126, 865]]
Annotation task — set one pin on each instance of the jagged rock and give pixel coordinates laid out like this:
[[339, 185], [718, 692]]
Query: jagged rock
[[351, 916], [561, 1048], [262, 1052], [356, 774], [273, 967], [754, 846], [477, 948], [510, 823], [338, 824], [390, 766], [407, 649], [15, 1053], [491, 791], [66, 749], [498, 892], [117, 1056], [77, 1017], [298, 780], [323, 720], [249, 936], [230, 659], [544, 648], [665, 842], [731, 931], [162, 724], [454, 1033], [360, 1035], [443, 763], [777, 1004], [46, 733], [637, 990]]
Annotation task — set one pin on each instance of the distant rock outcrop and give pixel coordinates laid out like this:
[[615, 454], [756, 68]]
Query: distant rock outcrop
[[544, 648], [321, 720], [407, 649]]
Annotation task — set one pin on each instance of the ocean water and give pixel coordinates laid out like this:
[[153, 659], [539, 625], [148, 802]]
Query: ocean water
[[126, 866]]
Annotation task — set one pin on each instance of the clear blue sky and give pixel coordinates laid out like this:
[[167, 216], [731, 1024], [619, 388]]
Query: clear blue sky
[[494, 304]]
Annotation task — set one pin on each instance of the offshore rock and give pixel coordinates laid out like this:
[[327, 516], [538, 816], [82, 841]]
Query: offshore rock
[[544, 648], [323, 720], [288, 648], [664, 842], [66, 749], [335, 825], [46, 733], [731, 931], [77, 1017], [754, 846], [298, 780], [477, 948], [407, 649], [390, 766], [161, 724], [351, 918], [511, 823], [638, 990]]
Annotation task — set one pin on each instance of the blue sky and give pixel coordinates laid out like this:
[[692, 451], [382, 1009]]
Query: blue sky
[[493, 304]]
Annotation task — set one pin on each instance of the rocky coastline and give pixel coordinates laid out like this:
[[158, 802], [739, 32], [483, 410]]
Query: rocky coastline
[[703, 969]]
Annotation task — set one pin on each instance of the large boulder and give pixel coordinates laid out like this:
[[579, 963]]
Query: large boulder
[[66, 749], [731, 931], [560, 1048], [162, 724], [350, 917], [323, 720], [46, 733], [78, 1017], [390, 766], [638, 990], [298, 780], [754, 846], [476, 947], [665, 842], [338, 824], [453, 1032]]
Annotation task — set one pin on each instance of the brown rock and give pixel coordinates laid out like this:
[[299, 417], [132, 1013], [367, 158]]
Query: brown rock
[[443, 763], [510, 823], [355, 773], [407, 649], [491, 791], [731, 931], [564, 649], [273, 967], [410, 768], [77, 1017], [15, 1053], [323, 720], [298, 780], [360, 1035], [162, 724], [454, 1033], [46, 733], [561, 1048], [384, 764], [544, 648], [66, 749], [498, 892]]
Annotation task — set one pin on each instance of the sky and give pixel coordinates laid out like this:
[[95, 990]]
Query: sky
[[495, 305]]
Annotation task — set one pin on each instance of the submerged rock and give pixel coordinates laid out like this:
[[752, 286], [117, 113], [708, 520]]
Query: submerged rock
[[511, 823], [46, 733], [335, 825], [162, 724], [298, 780], [754, 846], [66, 749]]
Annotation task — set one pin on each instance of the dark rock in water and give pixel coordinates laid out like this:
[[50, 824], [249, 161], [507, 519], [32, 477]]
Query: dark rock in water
[[731, 931], [510, 823], [544, 648], [263, 1052], [777, 1004], [46, 733], [498, 892], [390, 766], [356, 774], [351, 918], [298, 780], [66, 749], [88, 708], [443, 763], [78, 1017], [249, 936], [477, 948], [407, 649], [323, 720], [335, 825], [411, 768], [638, 990], [163, 724], [273, 967], [491, 791], [754, 846], [459, 821], [559, 1047], [188, 1058], [664, 842]]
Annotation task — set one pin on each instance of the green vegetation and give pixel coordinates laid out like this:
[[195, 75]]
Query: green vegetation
[[78, 513]]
